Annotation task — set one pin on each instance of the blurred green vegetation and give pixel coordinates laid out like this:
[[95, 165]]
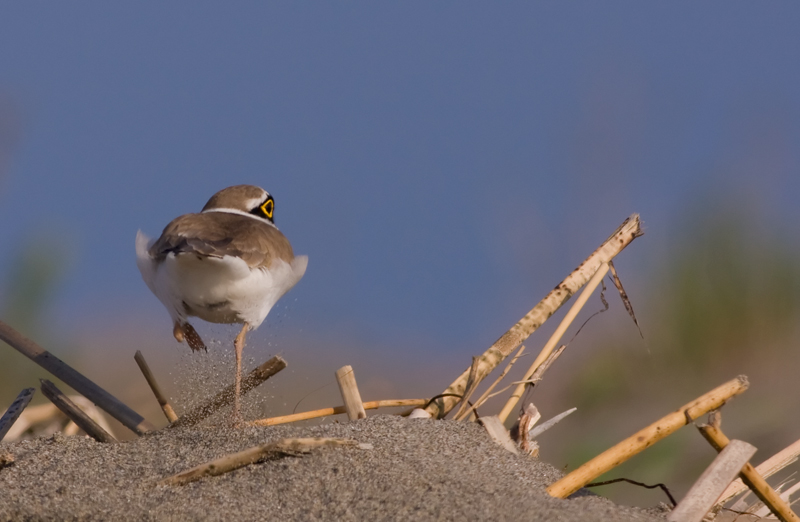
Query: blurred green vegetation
[[730, 287], [37, 268]]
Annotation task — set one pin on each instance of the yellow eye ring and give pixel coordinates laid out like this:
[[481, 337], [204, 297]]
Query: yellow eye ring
[[268, 207]]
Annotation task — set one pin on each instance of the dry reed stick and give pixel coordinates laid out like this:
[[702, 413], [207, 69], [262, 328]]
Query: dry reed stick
[[169, 413], [483, 398], [346, 379], [469, 389], [326, 412], [750, 476], [646, 437], [766, 469], [75, 380], [251, 456], [75, 414], [717, 476], [555, 338], [36, 414], [15, 410], [226, 396], [502, 348]]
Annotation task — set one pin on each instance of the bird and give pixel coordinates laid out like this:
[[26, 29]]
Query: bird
[[227, 264]]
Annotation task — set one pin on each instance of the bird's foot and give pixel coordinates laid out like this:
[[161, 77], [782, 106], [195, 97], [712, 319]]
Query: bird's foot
[[187, 332]]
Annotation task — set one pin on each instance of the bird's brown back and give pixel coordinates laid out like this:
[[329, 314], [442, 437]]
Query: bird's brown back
[[219, 234]]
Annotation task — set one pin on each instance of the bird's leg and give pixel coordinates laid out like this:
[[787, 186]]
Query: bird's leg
[[238, 346], [187, 331]]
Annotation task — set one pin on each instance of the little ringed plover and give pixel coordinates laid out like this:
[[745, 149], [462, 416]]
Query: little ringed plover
[[227, 264]]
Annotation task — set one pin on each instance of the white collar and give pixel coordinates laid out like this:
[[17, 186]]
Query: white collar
[[241, 213]]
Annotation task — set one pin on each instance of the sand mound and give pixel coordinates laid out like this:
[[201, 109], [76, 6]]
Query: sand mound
[[416, 470]]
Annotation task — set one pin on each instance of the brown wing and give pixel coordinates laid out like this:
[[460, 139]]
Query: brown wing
[[218, 234]]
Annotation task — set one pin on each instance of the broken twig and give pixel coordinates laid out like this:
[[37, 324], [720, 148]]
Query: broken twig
[[169, 413], [15, 410], [326, 412], [350, 394], [75, 414], [646, 437], [251, 456]]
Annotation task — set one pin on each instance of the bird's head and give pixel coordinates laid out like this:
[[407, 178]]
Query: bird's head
[[243, 198]]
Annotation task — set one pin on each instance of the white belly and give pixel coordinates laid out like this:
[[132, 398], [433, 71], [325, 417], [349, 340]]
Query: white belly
[[218, 290]]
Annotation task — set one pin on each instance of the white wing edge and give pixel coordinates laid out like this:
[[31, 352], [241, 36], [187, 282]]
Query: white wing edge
[[299, 265], [146, 264]]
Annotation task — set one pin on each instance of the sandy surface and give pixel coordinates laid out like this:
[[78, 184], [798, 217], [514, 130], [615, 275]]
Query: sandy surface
[[416, 470]]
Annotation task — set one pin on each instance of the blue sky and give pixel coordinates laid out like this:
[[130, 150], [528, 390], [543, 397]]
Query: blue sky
[[443, 165]]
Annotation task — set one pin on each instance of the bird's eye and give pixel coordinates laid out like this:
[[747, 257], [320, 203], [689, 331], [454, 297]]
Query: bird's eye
[[268, 207]]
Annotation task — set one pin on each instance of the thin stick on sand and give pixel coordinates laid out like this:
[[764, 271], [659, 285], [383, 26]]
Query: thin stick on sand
[[705, 491], [75, 380], [169, 413], [15, 410], [502, 348], [350, 394], [75, 414], [646, 437], [250, 456], [226, 396], [750, 476], [325, 412], [555, 338]]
